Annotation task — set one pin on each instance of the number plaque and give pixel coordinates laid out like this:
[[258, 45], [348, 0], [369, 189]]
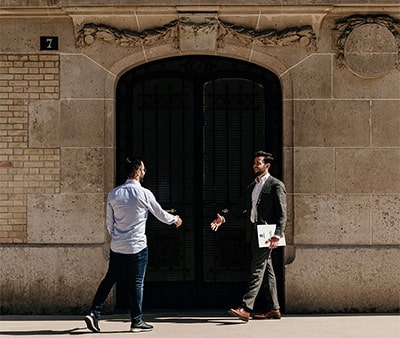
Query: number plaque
[[49, 43]]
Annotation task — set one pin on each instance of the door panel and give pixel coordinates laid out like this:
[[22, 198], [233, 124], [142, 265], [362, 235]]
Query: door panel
[[196, 121], [162, 132], [233, 127]]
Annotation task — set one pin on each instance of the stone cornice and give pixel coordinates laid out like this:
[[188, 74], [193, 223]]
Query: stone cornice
[[81, 9], [170, 33], [48, 8]]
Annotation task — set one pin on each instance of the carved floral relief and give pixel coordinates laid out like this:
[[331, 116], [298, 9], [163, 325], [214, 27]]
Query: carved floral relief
[[171, 33]]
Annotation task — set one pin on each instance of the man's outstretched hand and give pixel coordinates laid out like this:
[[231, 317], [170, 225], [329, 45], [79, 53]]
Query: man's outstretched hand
[[215, 224], [179, 222]]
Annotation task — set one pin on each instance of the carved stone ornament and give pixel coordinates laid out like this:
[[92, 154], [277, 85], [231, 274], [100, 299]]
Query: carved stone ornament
[[368, 44], [171, 33]]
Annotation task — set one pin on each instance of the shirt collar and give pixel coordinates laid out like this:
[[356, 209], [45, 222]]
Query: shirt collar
[[131, 180], [263, 179]]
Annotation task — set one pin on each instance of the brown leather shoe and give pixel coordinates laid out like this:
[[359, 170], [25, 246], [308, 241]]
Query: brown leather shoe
[[272, 314], [240, 313]]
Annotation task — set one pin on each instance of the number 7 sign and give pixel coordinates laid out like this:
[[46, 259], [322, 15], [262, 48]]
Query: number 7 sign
[[49, 43]]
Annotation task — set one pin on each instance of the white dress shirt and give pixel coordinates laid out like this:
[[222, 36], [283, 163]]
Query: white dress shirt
[[255, 195]]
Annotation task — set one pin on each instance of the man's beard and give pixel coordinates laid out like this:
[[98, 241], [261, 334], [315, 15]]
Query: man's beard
[[259, 173]]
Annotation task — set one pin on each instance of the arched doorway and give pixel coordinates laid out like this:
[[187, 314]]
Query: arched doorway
[[196, 121]]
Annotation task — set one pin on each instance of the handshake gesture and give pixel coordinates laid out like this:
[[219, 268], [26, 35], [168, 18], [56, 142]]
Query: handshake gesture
[[216, 223]]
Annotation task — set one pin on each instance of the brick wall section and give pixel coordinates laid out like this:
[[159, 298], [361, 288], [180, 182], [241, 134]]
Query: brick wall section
[[24, 170]]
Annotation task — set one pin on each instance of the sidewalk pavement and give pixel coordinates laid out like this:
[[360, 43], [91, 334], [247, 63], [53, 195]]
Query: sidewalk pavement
[[203, 323]]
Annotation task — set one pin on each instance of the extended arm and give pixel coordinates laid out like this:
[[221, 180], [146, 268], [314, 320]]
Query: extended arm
[[155, 208]]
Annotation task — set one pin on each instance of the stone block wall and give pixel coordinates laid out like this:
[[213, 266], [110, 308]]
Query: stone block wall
[[345, 162], [341, 145]]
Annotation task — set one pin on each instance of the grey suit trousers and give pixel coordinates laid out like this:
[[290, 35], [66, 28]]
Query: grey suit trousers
[[261, 275]]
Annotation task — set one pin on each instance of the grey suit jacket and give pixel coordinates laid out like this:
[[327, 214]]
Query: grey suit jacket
[[271, 206]]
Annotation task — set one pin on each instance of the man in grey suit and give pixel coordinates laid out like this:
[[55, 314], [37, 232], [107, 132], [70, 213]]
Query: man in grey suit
[[264, 201]]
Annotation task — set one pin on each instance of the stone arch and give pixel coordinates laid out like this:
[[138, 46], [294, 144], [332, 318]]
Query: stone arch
[[243, 53]]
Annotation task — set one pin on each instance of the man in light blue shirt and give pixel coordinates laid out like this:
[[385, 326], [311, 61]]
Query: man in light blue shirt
[[128, 206]]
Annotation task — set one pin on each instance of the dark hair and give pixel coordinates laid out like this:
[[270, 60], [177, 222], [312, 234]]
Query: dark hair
[[267, 156], [131, 165]]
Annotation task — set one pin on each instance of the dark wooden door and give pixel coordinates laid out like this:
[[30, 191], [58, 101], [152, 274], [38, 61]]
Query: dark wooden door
[[196, 121]]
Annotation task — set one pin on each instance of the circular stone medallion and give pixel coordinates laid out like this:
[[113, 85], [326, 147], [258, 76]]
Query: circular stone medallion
[[371, 50]]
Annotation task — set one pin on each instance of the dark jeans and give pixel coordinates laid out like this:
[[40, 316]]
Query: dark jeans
[[134, 266]]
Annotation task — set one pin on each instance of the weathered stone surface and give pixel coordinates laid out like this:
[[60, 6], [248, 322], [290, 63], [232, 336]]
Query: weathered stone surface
[[348, 85], [385, 123], [106, 3], [66, 218], [288, 174], [109, 169], [288, 123], [386, 219], [69, 123], [343, 279], [78, 69], [44, 124], [312, 77], [368, 170], [336, 119], [25, 38], [333, 219], [50, 279], [82, 123], [289, 230], [314, 170], [109, 123], [83, 170]]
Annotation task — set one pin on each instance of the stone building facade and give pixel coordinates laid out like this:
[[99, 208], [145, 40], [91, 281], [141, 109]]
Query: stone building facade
[[337, 64]]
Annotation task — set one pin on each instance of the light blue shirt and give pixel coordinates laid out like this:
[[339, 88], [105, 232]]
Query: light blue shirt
[[127, 210]]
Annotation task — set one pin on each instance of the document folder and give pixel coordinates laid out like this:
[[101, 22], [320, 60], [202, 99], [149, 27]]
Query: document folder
[[265, 232]]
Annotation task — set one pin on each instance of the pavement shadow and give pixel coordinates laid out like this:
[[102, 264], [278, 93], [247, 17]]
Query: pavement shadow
[[197, 320], [174, 319], [217, 320], [42, 332]]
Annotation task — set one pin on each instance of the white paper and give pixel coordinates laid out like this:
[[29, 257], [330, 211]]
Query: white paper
[[265, 232]]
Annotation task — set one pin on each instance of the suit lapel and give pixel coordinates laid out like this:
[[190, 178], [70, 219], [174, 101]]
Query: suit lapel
[[266, 187]]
